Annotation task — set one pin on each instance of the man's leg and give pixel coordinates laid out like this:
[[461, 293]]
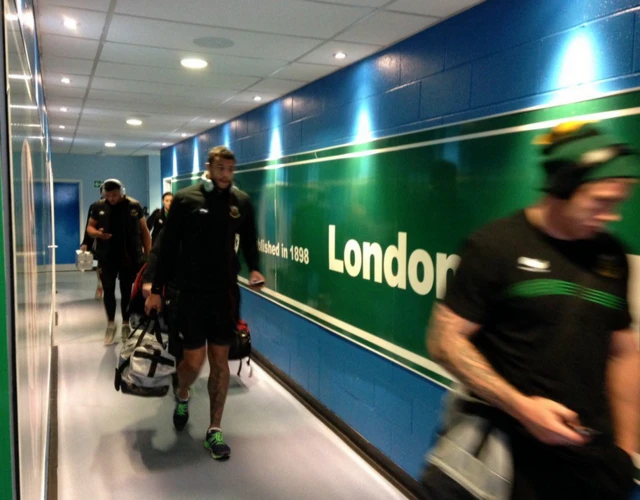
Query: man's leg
[[127, 276], [108, 278], [99, 286], [218, 382], [218, 387], [188, 371]]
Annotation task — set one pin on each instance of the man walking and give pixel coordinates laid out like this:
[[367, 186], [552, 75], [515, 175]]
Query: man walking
[[122, 242], [199, 238], [536, 327]]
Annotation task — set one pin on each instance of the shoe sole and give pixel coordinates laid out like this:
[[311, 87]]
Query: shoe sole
[[220, 458], [109, 339]]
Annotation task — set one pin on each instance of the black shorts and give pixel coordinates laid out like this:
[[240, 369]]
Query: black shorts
[[205, 318]]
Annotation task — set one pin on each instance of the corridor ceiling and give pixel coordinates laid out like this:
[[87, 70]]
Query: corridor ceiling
[[123, 60]]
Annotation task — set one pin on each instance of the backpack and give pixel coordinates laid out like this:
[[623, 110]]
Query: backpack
[[145, 367], [240, 347]]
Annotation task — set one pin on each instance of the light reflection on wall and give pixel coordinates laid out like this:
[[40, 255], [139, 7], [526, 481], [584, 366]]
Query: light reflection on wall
[[175, 162], [275, 147], [196, 156], [363, 126], [577, 70], [225, 135]]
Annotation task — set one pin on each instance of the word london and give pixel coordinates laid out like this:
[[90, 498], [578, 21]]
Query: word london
[[357, 259]]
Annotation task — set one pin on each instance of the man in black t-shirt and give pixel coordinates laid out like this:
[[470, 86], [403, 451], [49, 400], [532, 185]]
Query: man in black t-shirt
[[536, 327], [198, 252], [122, 242]]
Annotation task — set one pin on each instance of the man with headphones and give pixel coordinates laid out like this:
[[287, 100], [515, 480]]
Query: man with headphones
[[198, 248], [122, 243], [536, 327]]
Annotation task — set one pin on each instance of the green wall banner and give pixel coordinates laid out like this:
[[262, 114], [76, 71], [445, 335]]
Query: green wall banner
[[362, 238]]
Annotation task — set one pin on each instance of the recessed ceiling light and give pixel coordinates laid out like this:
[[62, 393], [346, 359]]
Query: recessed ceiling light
[[184, 135], [64, 110], [19, 77], [134, 121], [212, 121], [110, 144], [193, 63], [164, 144], [339, 55], [61, 138], [11, 17], [69, 23], [65, 80], [62, 127], [257, 98]]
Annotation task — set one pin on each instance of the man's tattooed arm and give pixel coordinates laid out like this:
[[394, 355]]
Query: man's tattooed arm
[[448, 343]]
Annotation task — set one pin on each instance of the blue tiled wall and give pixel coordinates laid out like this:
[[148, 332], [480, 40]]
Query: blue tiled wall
[[497, 57]]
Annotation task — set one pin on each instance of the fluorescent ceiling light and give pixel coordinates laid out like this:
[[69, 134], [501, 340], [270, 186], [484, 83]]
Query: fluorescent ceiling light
[[212, 121], [62, 127], [164, 144], [65, 80], [30, 125], [257, 98], [19, 77], [184, 135], [64, 110], [134, 121], [61, 138], [23, 106], [110, 144], [11, 17], [339, 55], [71, 24], [193, 63]]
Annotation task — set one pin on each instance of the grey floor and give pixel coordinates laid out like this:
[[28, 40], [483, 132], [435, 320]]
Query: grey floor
[[112, 446]]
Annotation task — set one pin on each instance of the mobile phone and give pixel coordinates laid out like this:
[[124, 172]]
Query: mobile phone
[[584, 431]]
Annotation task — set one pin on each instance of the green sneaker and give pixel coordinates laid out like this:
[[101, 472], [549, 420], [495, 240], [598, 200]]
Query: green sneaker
[[180, 414], [214, 442]]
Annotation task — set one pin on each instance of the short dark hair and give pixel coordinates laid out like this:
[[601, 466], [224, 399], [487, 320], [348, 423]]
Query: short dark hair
[[220, 152], [168, 193], [111, 186]]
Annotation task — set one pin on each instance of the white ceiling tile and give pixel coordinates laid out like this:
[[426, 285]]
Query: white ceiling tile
[[64, 46], [149, 152], [209, 77], [285, 17], [363, 3], [164, 58], [90, 23], [66, 92], [247, 98], [354, 51], [211, 95], [101, 5], [436, 8], [136, 106], [53, 78], [171, 35], [276, 86], [56, 64], [383, 28], [304, 72]]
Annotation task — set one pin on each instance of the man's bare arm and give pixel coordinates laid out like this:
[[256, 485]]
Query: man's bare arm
[[448, 341], [623, 374]]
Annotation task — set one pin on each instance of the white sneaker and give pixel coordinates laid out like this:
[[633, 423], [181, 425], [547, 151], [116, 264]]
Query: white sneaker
[[110, 334], [125, 332]]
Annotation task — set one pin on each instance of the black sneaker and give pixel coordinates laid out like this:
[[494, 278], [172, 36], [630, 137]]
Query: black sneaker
[[214, 442], [180, 414]]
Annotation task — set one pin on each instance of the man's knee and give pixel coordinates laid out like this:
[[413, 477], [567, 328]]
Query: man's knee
[[193, 359], [219, 357]]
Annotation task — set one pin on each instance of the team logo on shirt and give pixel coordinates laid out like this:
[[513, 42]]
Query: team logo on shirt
[[101, 212], [234, 211], [160, 221], [534, 265], [134, 213], [608, 266]]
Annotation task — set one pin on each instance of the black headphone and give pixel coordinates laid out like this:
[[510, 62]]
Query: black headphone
[[114, 181]]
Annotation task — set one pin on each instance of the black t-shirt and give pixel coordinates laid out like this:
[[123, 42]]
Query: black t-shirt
[[547, 308]]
